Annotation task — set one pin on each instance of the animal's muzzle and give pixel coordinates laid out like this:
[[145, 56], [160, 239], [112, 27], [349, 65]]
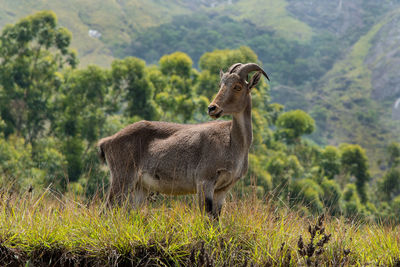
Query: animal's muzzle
[[211, 108], [214, 111]]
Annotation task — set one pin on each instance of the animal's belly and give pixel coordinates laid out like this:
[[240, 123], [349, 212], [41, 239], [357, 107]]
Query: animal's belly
[[170, 186]]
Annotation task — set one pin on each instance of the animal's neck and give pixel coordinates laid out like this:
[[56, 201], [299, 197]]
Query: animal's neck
[[242, 131]]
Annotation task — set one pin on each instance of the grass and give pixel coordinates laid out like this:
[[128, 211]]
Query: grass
[[49, 229], [271, 14]]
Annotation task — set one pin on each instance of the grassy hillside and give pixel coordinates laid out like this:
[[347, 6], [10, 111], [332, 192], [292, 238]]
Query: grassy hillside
[[117, 21], [120, 21], [50, 229], [272, 15]]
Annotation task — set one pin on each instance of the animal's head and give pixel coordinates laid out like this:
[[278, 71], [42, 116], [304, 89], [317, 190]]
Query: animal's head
[[234, 89]]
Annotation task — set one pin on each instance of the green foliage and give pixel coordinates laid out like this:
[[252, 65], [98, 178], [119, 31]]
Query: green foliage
[[287, 60], [355, 162], [395, 205], [390, 184], [293, 124], [283, 169], [352, 204], [31, 53], [332, 196], [222, 59], [52, 162], [257, 171], [177, 63], [330, 162], [73, 148], [307, 192], [17, 169], [131, 83], [393, 151]]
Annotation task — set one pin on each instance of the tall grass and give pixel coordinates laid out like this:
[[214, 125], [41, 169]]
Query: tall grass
[[53, 230]]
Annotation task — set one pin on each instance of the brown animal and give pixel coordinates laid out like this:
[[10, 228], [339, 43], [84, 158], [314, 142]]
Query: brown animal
[[171, 158]]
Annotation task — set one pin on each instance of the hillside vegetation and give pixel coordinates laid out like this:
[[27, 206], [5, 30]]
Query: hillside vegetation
[[334, 59], [53, 112]]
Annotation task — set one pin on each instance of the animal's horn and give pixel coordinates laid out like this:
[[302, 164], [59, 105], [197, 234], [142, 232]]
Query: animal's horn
[[245, 69], [234, 67]]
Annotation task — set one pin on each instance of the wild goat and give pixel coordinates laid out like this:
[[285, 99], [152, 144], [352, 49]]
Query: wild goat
[[171, 158]]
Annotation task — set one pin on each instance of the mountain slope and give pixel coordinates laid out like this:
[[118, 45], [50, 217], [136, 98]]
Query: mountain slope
[[116, 21], [119, 22], [360, 90]]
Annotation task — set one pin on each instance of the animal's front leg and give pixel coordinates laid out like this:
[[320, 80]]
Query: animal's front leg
[[219, 200], [205, 192], [139, 196], [224, 183]]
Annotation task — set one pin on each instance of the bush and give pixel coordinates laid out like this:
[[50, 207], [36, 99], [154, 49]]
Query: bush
[[352, 204], [293, 124], [330, 162], [307, 192]]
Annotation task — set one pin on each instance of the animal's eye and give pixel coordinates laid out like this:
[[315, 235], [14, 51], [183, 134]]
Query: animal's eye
[[237, 87]]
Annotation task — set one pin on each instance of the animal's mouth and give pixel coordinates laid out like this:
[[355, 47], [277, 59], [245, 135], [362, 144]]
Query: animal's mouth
[[216, 115]]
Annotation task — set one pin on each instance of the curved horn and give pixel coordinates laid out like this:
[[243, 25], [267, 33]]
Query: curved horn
[[234, 67], [245, 69]]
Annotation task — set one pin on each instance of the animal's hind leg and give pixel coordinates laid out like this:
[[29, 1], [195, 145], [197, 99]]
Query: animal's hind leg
[[119, 190]]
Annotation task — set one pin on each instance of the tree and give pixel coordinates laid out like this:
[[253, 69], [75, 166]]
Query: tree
[[329, 162], [178, 100], [393, 154], [395, 205], [32, 52], [283, 169], [355, 162], [81, 110], [131, 85], [332, 196], [307, 192], [177, 63], [293, 124], [390, 184], [352, 204]]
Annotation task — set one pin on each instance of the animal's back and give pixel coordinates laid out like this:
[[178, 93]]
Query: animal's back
[[134, 139]]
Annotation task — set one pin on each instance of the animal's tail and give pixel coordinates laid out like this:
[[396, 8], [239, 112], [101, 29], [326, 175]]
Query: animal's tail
[[102, 155]]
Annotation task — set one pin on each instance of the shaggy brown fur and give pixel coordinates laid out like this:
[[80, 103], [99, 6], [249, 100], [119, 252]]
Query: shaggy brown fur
[[172, 158]]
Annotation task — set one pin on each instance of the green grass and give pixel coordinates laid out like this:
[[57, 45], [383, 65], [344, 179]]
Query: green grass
[[55, 230], [271, 14]]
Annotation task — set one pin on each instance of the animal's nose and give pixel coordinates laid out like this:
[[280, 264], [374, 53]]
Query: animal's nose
[[211, 108]]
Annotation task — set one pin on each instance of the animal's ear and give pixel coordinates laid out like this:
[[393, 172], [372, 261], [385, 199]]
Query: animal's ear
[[255, 79], [221, 73]]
